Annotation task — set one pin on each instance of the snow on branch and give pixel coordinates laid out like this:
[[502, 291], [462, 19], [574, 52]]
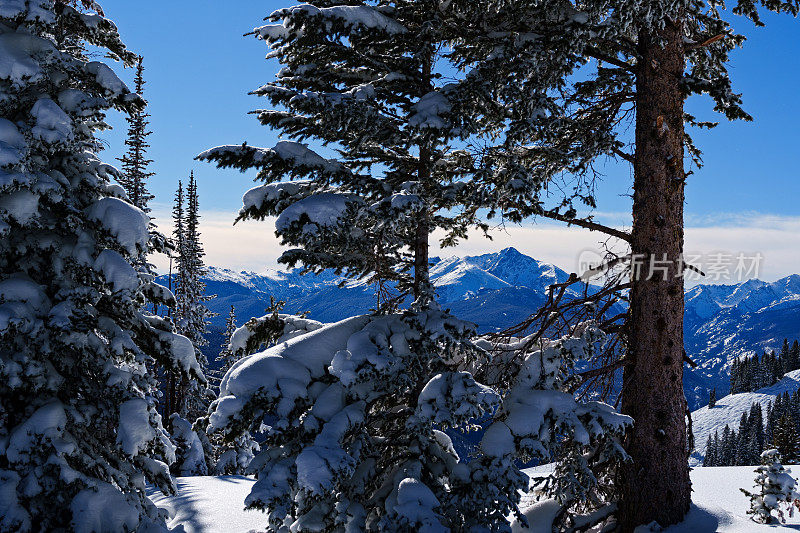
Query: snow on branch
[[284, 157], [343, 18]]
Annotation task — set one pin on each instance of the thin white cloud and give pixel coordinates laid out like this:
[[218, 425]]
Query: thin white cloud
[[253, 245]]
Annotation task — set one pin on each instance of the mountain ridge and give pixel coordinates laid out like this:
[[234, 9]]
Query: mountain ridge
[[500, 289]]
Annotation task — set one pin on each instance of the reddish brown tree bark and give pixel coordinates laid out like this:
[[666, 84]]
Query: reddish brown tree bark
[[656, 484]]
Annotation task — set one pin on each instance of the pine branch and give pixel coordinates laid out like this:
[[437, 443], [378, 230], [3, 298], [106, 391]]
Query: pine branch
[[588, 224], [624, 155], [600, 56]]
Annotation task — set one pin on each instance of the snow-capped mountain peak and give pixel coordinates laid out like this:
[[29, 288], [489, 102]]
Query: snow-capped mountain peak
[[497, 290]]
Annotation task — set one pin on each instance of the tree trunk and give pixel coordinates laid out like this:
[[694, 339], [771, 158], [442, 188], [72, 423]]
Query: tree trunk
[[423, 229], [655, 484], [421, 260]]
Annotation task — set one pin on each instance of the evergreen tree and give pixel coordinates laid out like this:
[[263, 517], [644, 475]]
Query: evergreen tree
[[135, 162], [756, 441], [362, 405], [727, 447], [179, 245], [194, 313], [786, 357], [769, 425], [742, 449], [190, 454], [711, 450], [226, 357], [593, 66], [191, 314], [712, 398], [775, 486], [735, 379], [78, 421], [785, 438]]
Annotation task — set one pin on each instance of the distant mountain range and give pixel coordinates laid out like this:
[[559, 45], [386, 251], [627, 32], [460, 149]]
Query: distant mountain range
[[501, 289]]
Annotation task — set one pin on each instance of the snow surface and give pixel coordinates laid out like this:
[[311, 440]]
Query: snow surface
[[210, 504], [728, 410], [213, 504]]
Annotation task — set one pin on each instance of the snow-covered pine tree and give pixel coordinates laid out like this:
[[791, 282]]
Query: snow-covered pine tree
[[171, 385], [179, 245], [190, 314], [755, 438], [785, 438], [712, 450], [775, 486], [79, 429], [598, 68], [135, 172], [194, 313], [194, 395], [226, 357], [190, 453], [414, 135], [357, 409], [742, 450]]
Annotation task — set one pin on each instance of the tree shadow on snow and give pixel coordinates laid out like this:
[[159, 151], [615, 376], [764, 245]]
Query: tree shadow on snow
[[697, 520]]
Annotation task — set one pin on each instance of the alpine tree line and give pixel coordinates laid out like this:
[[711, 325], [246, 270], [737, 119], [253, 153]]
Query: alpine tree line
[[438, 112], [756, 372], [778, 428]]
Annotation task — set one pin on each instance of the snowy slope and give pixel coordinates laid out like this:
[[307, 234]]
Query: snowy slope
[[728, 410], [215, 504], [723, 322]]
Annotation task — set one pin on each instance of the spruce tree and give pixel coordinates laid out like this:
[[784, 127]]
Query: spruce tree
[[593, 66], [712, 398], [727, 446], [191, 314], [194, 313], [708, 459], [226, 357], [775, 486], [785, 357], [135, 163], [78, 421], [741, 456], [785, 439], [734, 378], [361, 406]]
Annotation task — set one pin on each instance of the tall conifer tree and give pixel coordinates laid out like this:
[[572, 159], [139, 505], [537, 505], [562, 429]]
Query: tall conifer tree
[[359, 443], [78, 423], [593, 66], [191, 314], [135, 163]]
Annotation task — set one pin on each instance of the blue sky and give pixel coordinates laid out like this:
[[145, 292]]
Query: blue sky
[[199, 68]]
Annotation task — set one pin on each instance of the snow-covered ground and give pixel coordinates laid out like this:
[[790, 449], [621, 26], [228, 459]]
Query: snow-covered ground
[[214, 504], [210, 504], [719, 505], [728, 410]]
